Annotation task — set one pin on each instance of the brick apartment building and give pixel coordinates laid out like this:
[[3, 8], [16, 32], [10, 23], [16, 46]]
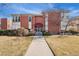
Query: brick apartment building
[[47, 21]]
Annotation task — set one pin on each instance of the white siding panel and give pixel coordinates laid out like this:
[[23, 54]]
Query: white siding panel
[[15, 25], [30, 25], [46, 22]]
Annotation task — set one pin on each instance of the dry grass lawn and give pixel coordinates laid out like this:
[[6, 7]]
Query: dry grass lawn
[[14, 46], [64, 45]]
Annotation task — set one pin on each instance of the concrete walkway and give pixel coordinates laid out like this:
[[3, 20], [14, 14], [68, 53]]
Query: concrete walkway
[[38, 47]]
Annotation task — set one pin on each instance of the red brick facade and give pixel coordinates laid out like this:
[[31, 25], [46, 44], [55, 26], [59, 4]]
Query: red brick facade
[[3, 23], [35, 19], [33, 23], [24, 21], [54, 22]]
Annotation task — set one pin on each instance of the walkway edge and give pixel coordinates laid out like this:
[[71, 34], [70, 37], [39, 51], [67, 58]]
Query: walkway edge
[[50, 47]]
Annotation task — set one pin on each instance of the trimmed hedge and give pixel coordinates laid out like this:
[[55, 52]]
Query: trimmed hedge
[[8, 32], [46, 33], [13, 33], [31, 34], [73, 32]]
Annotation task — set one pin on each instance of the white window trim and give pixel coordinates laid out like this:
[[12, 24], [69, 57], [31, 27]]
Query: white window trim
[[46, 22], [30, 22]]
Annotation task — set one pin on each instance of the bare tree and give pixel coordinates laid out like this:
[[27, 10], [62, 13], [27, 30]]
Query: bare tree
[[66, 26]]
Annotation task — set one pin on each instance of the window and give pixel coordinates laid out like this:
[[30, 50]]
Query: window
[[30, 18], [0, 23], [19, 19], [78, 26], [16, 19], [13, 19]]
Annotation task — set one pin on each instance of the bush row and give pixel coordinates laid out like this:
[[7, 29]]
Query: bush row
[[16, 33], [73, 32], [46, 33], [8, 32], [13, 33]]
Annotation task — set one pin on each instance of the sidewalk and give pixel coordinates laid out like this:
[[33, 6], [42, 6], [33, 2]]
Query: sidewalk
[[38, 47]]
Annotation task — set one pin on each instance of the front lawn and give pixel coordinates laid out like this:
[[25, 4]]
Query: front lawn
[[14, 46], [64, 45]]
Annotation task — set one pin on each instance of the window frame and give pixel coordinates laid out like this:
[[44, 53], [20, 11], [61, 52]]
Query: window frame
[[29, 18]]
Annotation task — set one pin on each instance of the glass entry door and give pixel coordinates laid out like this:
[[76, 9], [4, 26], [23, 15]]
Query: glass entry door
[[38, 29]]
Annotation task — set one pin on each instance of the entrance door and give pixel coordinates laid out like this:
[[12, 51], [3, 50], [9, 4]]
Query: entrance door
[[38, 29]]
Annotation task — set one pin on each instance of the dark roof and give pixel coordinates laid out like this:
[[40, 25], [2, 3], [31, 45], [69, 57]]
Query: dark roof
[[26, 14]]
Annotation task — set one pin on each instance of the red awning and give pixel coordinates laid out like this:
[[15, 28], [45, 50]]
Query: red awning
[[38, 25]]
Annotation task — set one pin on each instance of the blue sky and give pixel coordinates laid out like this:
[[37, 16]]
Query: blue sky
[[18, 8]]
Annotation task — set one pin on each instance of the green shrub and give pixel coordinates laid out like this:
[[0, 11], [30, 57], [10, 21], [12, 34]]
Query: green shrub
[[8, 32], [11, 32], [30, 34], [73, 32], [1, 32], [46, 33]]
